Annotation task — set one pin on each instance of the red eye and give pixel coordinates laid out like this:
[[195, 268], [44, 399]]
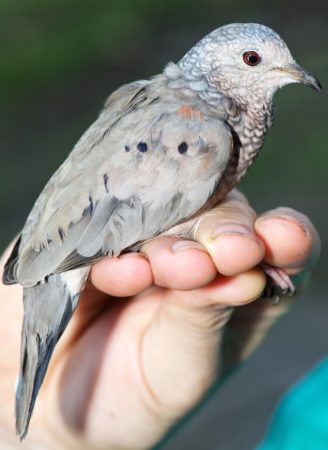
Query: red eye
[[251, 58]]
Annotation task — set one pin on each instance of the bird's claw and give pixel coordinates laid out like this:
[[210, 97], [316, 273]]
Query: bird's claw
[[278, 284]]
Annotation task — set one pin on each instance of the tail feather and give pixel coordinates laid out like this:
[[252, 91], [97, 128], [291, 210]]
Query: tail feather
[[48, 308]]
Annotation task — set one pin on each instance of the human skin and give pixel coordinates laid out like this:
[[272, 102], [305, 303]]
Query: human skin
[[145, 343]]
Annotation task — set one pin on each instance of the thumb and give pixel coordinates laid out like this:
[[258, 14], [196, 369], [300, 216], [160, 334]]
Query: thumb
[[182, 345]]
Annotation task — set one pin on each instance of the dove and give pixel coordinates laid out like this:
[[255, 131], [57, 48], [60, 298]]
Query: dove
[[161, 152]]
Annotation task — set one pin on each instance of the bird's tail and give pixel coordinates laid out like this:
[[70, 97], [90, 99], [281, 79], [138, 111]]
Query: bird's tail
[[48, 308]]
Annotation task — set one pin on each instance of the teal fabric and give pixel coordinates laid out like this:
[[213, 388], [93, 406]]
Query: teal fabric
[[301, 419]]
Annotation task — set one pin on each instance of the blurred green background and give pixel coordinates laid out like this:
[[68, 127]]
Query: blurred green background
[[59, 60]]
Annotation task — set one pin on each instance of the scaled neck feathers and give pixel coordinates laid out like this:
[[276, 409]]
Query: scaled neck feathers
[[197, 84], [250, 121]]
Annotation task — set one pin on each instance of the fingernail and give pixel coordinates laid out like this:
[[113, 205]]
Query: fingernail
[[185, 245], [285, 215], [231, 228]]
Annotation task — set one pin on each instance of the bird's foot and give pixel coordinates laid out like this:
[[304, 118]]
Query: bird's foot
[[278, 283]]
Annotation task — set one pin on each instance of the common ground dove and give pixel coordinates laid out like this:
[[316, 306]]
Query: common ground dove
[[161, 151]]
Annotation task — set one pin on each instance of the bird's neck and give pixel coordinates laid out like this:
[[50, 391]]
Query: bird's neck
[[194, 86], [250, 121], [251, 126]]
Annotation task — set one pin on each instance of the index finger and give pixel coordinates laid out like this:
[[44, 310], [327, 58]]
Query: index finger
[[290, 239], [227, 233]]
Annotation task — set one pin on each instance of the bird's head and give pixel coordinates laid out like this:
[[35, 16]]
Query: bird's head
[[246, 62]]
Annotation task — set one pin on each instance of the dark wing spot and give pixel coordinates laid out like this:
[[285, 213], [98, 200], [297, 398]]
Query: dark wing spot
[[142, 147], [91, 206], [182, 148], [127, 148], [140, 93], [105, 133], [155, 100], [105, 176], [61, 233]]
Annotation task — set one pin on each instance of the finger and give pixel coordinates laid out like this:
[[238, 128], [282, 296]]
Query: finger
[[227, 234], [290, 239], [124, 276], [233, 290], [291, 242], [179, 264]]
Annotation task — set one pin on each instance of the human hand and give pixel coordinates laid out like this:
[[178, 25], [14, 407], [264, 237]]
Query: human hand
[[145, 343]]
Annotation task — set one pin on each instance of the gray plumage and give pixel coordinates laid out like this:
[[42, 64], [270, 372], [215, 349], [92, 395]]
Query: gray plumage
[[160, 151]]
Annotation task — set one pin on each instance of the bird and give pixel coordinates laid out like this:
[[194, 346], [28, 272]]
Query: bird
[[161, 152]]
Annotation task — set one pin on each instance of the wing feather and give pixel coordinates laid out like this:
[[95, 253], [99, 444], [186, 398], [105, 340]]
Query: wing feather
[[113, 192]]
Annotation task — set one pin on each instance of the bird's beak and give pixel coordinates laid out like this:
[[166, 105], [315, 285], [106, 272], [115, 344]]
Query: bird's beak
[[300, 75]]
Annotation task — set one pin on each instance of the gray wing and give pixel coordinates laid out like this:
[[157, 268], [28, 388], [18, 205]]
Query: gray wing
[[141, 168]]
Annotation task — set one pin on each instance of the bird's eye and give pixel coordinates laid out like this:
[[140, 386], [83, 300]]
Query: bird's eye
[[251, 58]]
